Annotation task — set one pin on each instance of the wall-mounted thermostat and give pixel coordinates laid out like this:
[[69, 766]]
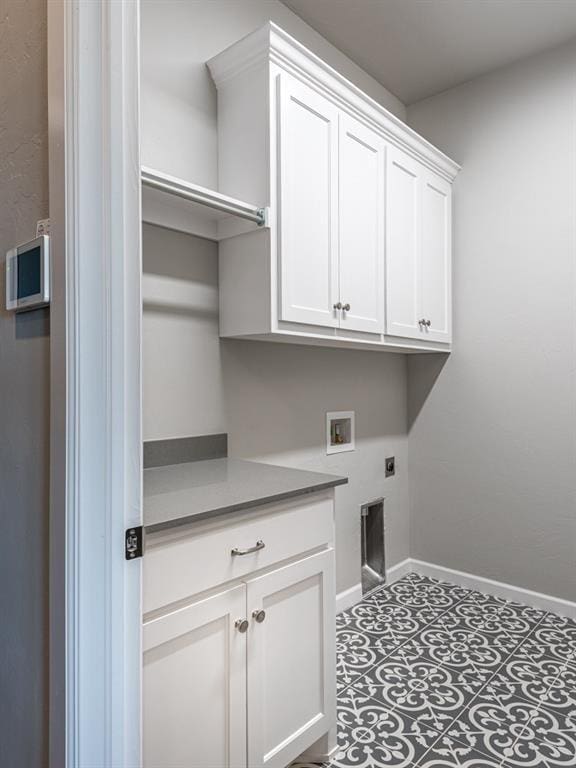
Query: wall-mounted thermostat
[[28, 275]]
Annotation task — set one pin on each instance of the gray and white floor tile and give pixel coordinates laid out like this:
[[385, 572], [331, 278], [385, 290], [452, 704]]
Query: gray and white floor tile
[[431, 675]]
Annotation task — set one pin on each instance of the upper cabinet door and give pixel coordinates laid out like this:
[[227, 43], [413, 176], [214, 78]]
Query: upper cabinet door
[[361, 207], [194, 685], [308, 205], [435, 301], [403, 201], [291, 660]]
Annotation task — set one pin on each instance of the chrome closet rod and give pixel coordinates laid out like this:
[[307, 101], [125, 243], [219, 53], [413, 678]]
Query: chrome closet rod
[[256, 215]]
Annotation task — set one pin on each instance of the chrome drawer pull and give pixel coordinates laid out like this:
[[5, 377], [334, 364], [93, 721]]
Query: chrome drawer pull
[[259, 545]]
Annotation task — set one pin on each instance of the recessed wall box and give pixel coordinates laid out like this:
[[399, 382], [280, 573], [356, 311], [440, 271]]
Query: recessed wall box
[[28, 275], [373, 550], [339, 431]]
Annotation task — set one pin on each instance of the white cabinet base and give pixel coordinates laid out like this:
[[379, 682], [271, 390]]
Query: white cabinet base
[[219, 694], [291, 680], [194, 686]]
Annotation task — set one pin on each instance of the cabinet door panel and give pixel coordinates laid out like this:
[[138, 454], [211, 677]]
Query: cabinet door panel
[[403, 200], [436, 257], [291, 664], [361, 207], [308, 205], [194, 686]]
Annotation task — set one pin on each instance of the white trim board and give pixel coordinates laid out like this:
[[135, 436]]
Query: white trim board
[[96, 441], [350, 597], [498, 588], [353, 595]]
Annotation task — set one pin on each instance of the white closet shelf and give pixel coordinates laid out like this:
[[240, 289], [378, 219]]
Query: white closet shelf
[[177, 204]]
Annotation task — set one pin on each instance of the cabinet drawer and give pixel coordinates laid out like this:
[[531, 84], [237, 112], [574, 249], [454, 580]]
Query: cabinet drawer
[[182, 562]]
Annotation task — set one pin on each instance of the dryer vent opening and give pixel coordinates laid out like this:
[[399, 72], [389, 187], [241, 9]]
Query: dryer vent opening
[[373, 552]]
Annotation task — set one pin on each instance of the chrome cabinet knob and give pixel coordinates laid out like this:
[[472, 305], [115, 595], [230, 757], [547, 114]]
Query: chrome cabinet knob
[[338, 306], [346, 307], [259, 616], [242, 625], [428, 323]]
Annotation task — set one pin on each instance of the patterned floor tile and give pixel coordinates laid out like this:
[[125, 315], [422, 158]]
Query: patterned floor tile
[[388, 737], [548, 741], [472, 615], [554, 637], [390, 622], [463, 650], [448, 753], [493, 722], [561, 695], [426, 593], [431, 675], [356, 653], [532, 680], [420, 689]]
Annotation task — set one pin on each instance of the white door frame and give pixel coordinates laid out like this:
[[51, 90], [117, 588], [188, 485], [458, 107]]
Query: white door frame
[[96, 476]]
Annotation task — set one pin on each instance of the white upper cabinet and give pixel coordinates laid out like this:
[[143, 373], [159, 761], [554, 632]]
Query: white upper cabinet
[[418, 251], [357, 247], [361, 227], [436, 280], [308, 205], [403, 202]]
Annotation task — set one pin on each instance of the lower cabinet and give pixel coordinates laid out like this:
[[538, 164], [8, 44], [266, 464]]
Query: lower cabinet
[[291, 679], [244, 678], [194, 678]]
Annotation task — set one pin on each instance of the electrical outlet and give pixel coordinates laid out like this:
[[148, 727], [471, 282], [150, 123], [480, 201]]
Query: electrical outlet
[[390, 466]]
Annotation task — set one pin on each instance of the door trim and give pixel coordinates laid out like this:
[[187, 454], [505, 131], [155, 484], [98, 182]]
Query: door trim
[[96, 478]]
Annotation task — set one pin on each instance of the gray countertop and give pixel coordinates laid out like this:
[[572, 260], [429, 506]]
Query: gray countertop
[[183, 493]]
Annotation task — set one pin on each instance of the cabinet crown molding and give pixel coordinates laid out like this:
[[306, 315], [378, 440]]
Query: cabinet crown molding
[[271, 44]]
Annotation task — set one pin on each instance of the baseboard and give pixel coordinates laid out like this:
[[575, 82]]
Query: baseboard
[[497, 588], [398, 571], [353, 595], [350, 597]]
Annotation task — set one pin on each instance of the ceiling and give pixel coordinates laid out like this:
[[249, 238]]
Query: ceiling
[[417, 48]]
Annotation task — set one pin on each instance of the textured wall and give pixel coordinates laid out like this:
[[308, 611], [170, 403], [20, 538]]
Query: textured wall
[[493, 437], [24, 395]]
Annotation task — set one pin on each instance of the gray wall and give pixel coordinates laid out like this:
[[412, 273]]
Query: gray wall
[[493, 443], [270, 398], [182, 370], [24, 395], [178, 95]]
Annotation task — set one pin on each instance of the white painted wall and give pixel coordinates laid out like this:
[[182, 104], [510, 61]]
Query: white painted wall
[[493, 437], [24, 396], [178, 95], [271, 399]]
